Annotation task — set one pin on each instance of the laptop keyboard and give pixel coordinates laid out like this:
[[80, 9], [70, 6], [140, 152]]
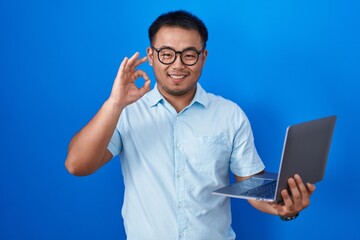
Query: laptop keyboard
[[263, 191]]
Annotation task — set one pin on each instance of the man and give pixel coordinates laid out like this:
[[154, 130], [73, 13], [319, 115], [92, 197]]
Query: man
[[177, 143]]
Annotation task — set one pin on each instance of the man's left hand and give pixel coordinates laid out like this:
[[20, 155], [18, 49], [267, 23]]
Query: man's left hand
[[295, 201]]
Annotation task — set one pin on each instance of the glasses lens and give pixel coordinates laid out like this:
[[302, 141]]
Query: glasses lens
[[189, 57], [167, 55]]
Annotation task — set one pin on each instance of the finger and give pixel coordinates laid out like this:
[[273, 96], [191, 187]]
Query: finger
[[145, 88], [140, 61], [301, 186], [294, 191], [137, 62], [287, 200], [286, 206], [311, 188], [305, 193], [122, 66], [130, 64], [140, 73]]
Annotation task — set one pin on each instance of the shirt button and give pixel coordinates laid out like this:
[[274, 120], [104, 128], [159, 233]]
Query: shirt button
[[178, 173], [181, 235], [180, 205], [178, 145]]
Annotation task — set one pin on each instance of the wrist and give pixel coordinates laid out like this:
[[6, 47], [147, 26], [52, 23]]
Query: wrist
[[289, 218], [115, 104]]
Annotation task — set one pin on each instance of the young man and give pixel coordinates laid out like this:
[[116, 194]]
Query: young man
[[177, 143]]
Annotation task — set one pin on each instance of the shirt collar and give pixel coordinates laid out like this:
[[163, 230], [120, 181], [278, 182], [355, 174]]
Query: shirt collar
[[154, 97], [200, 97]]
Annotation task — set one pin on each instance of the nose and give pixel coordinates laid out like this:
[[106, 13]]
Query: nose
[[178, 64]]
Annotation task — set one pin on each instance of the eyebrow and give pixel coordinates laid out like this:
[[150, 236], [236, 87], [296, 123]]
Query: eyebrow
[[184, 49]]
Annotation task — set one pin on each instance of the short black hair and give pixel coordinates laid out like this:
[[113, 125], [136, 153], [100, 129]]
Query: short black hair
[[179, 18]]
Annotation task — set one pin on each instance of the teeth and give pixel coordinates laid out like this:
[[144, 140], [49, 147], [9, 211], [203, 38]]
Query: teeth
[[177, 76]]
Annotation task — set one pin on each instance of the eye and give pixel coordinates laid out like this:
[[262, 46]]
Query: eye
[[190, 55], [166, 54]]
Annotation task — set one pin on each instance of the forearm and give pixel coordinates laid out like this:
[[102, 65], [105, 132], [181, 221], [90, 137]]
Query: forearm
[[259, 205], [88, 147]]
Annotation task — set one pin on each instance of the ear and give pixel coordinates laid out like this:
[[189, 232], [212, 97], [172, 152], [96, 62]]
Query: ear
[[150, 55], [204, 55]]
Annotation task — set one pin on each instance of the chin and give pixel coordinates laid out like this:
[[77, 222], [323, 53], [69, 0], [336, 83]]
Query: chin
[[178, 90]]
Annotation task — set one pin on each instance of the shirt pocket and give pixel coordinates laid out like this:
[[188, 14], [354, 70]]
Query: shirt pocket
[[213, 154]]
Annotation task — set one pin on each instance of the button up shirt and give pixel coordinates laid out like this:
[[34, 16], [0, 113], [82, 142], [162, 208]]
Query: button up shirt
[[171, 162]]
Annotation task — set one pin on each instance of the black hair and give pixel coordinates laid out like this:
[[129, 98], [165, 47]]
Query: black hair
[[179, 18]]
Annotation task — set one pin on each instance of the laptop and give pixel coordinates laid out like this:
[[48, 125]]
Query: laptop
[[305, 152]]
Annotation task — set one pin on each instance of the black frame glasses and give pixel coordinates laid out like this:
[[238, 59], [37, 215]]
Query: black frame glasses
[[188, 57]]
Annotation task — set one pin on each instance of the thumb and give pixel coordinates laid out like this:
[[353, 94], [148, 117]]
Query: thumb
[[146, 87]]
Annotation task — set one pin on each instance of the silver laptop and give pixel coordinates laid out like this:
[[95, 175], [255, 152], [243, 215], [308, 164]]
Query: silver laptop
[[305, 152]]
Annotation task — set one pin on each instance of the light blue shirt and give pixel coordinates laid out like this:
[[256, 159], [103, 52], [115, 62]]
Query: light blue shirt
[[171, 162]]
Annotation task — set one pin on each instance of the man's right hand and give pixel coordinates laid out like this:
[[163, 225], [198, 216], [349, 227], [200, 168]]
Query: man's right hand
[[88, 148], [125, 91]]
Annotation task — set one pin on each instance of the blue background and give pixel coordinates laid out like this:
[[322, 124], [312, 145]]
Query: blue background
[[283, 62]]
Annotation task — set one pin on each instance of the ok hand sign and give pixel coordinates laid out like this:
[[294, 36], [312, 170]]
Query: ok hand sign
[[124, 90]]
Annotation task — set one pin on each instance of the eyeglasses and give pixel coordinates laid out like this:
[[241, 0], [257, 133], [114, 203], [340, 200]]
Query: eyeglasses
[[188, 57]]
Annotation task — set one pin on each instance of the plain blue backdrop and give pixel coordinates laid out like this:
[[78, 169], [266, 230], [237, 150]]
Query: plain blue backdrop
[[283, 62]]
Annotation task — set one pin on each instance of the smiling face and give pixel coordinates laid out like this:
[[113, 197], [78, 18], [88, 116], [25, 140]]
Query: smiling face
[[176, 80]]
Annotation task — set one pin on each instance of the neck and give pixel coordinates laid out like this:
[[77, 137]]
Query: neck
[[179, 102]]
